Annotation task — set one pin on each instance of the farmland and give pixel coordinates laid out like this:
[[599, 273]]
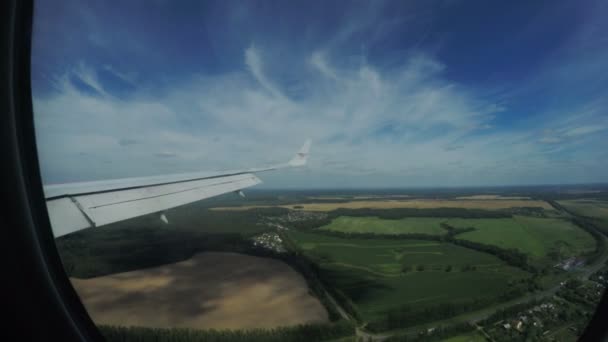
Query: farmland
[[471, 337], [494, 204], [536, 237], [389, 262], [381, 274], [596, 209], [422, 225], [539, 238], [210, 290]]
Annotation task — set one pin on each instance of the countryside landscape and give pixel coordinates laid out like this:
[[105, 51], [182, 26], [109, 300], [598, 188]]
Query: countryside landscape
[[451, 264]]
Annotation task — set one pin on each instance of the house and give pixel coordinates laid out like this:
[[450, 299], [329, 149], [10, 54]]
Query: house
[[507, 326], [519, 325]]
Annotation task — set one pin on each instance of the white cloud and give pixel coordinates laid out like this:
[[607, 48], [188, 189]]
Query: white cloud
[[317, 59], [126, 77], [400, 127], [583, 130], [88, 76], [254, 62], [550, 140]]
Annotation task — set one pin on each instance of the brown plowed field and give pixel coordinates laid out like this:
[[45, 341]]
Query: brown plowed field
[[210, 290]]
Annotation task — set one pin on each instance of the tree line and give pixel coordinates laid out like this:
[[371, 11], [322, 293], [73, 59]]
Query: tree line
[[453, 231], [438, 333], [600, 241], [299, 333], [318, 284], [406, 316], [511, 256], [400, 213], [509, 312], [395, 214], [587, 225], [308, 269]]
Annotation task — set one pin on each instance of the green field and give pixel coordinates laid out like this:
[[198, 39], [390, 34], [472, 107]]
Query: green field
[[471, 337], [369, 271], [591, 208], [423, 225], [534, 236], [587, 207], [538, 237]]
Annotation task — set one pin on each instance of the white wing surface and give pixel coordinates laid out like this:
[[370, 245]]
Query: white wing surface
[[77, 206]]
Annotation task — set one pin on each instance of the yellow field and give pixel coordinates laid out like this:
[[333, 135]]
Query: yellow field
[[418, 204], [492, 197], [210, 290], [343, 197]]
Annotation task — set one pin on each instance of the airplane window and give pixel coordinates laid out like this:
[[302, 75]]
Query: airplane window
[[327, 171]]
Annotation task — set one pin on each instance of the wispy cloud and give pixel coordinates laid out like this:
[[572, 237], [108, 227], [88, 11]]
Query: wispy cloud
[[317, 59], [396, 120], [254, 62], [126, 77], [165, 154]]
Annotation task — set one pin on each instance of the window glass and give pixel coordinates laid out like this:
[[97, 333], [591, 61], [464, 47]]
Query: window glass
[[431, 170]]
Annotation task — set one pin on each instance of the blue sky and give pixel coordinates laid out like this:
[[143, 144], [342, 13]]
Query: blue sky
[[393, 94]]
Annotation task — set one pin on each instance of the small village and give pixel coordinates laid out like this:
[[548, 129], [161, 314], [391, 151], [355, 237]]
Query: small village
[[565, 314], [270, 241], [570, 264], [282, 222]]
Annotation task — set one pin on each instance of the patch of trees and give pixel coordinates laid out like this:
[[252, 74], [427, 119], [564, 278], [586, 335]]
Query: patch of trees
[[122, 250], [399, 213], [520, 288], [600, 241], [438, 333], [317, 281], [345, 303], [371, 236], [308, 268], [407, 316], [526, 211], [587, 225], [467, 268], [509, 312], [576, 295], [311, 223], [299, 333], [512, 257], [452, 231]]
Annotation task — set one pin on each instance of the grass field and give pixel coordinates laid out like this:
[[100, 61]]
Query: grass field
[[493, 204], [369, 271], [492, 197], [471, 337], [590, 208], [531, 235], [424, 225], [587, 207], [210, 290]]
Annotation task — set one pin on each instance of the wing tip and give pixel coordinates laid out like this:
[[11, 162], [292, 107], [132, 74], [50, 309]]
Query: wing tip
[[301, 156]]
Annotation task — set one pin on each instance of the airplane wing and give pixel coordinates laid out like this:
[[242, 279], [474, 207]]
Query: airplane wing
[[77, 206]]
